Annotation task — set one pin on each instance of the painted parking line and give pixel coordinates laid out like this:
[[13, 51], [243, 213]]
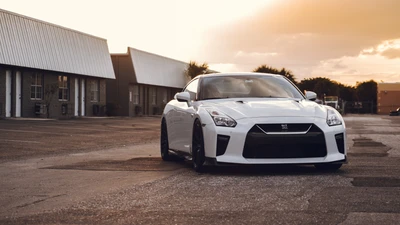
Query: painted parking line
[[43, 132], [27, 131], [99, 129], [9, 140]]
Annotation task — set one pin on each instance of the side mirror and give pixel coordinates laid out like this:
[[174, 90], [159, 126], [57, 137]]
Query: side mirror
[[182, 97], [310, 95]]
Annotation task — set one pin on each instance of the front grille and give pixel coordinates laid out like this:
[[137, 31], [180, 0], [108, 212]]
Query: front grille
[[294, 127], [308, 145], [340, 142]]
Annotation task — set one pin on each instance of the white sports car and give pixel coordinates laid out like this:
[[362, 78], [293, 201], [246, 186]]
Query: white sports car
[[251, 118]]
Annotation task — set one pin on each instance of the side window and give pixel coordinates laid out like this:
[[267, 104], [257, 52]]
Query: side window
[[192, 89]]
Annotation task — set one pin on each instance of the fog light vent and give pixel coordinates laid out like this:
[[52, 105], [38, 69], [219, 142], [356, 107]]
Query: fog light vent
[[222, 143], [340, 142]]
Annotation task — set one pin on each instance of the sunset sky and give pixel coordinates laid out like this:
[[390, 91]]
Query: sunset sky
[[344, 40]]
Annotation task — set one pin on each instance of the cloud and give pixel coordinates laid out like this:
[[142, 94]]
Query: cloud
[[328, 23], [223, 67], [391, 53], [255, 54], [388, 48], [339, 65], [332, 17], [304, 33], [359, 68]]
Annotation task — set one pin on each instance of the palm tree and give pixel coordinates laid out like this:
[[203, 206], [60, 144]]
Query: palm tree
[[195, 69]]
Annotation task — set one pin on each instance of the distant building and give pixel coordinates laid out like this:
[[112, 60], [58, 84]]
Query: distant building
[[144, 83], [48, 70], [388, 97]]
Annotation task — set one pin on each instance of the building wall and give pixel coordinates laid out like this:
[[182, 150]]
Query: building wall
[[50, 106], [95, 108], [136, 108], [52, 50], [388, 101], [118, 89], [143, 92], [146, 104], [2, 92], [3, 72], [120, 92], [132, 111], [388, 97]]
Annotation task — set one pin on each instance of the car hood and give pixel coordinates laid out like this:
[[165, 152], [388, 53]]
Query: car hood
[[271, 107]]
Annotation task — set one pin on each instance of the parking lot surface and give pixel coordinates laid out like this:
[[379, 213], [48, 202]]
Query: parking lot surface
[[26, 138], [108, 171]]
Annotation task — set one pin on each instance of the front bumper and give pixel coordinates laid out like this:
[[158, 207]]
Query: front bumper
[[275, 148]]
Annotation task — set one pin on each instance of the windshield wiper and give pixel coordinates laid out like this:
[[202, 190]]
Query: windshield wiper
[[214, 98], [269, 96]]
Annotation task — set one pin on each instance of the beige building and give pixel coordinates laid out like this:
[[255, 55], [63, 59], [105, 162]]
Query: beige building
[[388, 97]]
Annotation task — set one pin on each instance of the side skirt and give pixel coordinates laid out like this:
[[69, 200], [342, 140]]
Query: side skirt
[[209, 161], [181, 154]]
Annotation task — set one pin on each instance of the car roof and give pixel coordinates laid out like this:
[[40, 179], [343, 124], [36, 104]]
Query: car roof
[[239, 74]]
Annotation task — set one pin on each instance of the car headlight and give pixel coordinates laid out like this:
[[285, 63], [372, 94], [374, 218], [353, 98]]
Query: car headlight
[[332, 118], [221, 119]]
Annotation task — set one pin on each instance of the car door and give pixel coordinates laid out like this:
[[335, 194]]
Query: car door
[[174, 119], [185, 118]]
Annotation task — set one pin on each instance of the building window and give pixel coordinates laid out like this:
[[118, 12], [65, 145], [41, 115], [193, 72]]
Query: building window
[[136, 94], [94, 90], [36, 86], [154, 96], [63, 92]]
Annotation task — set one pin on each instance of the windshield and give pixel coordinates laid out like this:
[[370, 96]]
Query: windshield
[[256, 86]]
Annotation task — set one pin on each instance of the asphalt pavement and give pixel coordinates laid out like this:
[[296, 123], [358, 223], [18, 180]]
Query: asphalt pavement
[[126, 182]]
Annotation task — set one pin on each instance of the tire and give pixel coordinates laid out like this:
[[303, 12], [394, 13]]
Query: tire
[[328, 167], [164, 145], [198, 155]]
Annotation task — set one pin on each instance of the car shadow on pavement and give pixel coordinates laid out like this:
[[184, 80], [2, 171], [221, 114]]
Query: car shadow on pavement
[[157, 164], [268, 170], [134, 164]]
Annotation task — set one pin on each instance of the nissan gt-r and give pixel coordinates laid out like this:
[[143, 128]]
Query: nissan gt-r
[[251, 118]]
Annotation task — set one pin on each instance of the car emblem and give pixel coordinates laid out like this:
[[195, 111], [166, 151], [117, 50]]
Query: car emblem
[[284, 127]]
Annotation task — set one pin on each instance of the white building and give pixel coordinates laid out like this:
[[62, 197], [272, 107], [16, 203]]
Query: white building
[[50, 71]]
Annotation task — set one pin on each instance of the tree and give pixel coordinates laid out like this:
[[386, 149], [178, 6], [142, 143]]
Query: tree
[[323, 85], [194, 69], [326, 87], [367, 91], [320, 85], [308, 84], [288, 74], [284, 72], [346, 93]]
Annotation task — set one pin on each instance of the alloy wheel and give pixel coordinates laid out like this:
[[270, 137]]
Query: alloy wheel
[[198, 156]]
